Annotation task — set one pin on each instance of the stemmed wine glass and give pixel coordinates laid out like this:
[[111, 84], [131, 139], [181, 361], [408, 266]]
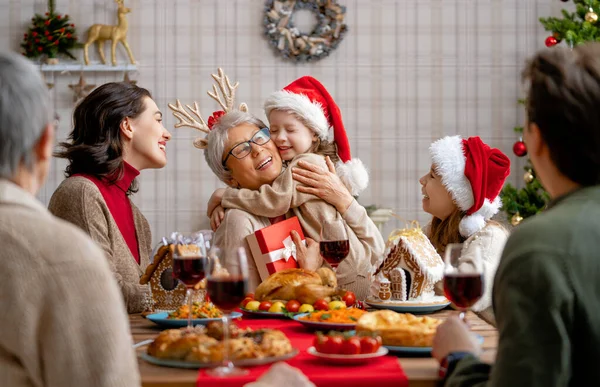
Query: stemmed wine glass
[[226, 289], [334, 244], [463, 276], [190, 264]]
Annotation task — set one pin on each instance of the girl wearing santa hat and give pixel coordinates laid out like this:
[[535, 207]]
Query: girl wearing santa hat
[[461, 191], [302, 117]]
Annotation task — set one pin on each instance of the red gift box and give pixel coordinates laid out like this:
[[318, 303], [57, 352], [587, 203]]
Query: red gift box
[[272, 247]]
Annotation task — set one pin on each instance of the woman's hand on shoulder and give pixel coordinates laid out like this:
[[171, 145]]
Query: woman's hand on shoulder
[[308, 256], [322, 183]]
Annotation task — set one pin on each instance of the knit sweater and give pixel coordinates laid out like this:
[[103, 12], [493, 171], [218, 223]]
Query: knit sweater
[[119, 205], [79, 201], [490, 240], [366, 242], [63, 322]]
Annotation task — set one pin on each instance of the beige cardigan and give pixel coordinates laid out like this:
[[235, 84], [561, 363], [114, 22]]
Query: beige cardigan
[[366, 242], [79, 201], [63, 321]]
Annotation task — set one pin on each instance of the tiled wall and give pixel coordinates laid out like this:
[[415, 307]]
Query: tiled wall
[[408, 72]]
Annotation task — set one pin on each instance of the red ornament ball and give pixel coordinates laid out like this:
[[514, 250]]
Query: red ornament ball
[[551, 41], [520, 149]]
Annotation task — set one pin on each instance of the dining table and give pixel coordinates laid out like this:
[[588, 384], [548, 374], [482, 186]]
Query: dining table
[[420, 371]]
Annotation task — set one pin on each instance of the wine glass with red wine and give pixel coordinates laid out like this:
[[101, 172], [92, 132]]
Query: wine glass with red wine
[[227, 288], [463, 276], [334, 244], [190, 264]]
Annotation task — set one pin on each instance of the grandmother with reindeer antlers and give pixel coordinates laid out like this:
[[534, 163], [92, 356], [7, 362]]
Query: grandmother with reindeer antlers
[[239, 150]]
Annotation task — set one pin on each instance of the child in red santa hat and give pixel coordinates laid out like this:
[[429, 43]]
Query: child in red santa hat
[[461, 191], [303, 116]]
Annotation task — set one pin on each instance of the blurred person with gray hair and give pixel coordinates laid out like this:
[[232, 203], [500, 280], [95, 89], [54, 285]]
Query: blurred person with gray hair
[[64, 321]]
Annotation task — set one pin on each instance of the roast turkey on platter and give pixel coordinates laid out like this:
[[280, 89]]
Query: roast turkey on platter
[[298, 284]]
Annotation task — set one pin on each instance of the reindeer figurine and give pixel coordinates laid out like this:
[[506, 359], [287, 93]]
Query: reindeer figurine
[[100, 33], [227, 104]]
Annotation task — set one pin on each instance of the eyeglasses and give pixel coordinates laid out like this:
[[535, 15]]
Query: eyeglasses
[[243, 149]]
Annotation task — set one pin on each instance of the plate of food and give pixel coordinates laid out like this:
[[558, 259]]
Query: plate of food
[[432, 305], [347, 348], [203, 347], [197, 365], [290, 308], [202, 314], [347, 359], [400, 332], [335, 320], [402, 350]]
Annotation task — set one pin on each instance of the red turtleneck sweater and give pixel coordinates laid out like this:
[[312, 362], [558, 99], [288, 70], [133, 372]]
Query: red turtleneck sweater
[[115, 196]]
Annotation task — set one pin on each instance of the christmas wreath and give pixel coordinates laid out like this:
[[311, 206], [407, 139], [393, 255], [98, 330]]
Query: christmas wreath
[[303, 47]]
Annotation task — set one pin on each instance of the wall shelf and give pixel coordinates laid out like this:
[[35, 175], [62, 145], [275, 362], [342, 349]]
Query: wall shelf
[[80, 67]]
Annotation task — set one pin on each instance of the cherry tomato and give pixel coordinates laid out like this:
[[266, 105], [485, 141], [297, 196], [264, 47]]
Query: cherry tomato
[[292, 306], [368, 344], [349, 298], [333, 344], [264, 306], [321, 305], [319, 342], [250, 295], [350, 346], [246, 300]]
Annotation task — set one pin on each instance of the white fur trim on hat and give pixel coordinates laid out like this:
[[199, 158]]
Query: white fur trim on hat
[[301, 105], [449, 159], [354, 175], [470, 224]]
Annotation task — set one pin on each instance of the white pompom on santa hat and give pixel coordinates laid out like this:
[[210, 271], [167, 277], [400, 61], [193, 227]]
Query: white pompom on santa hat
[[309, 99], [474, 174]]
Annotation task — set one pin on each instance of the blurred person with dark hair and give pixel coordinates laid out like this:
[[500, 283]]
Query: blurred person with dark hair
[[546, 293]]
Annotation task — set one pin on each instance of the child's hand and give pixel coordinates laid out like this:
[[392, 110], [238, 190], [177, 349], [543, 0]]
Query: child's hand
[[324, 184], [214, 201], [217, 217], [309, 257]]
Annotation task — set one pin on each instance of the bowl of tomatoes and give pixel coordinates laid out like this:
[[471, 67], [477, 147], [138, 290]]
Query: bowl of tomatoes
[[347, 348]]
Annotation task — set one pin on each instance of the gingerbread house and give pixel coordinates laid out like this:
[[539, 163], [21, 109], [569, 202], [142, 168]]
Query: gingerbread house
[[168, 293], [410, 269]]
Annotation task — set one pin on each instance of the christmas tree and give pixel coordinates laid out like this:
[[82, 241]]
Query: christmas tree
[[573, 28], [50, 35]]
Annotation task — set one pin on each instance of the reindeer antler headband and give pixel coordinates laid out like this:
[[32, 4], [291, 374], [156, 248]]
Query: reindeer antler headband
[[187, 119]]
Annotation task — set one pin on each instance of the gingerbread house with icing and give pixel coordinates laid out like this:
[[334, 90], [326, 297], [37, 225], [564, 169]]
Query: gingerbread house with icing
[[410, 269], [167, 292]]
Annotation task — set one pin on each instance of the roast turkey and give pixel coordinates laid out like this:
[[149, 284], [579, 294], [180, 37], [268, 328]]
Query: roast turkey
[[298, 284]]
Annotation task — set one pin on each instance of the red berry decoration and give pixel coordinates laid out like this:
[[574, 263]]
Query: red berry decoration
[[520, 149], [551, 41]]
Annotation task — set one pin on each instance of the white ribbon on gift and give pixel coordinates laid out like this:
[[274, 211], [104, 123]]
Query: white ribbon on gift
[[288, 251]]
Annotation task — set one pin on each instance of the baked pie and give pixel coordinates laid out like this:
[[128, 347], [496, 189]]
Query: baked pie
[[400, 329]]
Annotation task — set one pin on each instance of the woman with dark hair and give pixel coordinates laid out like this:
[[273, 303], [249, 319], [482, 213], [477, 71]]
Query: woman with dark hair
[[117, 132]]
